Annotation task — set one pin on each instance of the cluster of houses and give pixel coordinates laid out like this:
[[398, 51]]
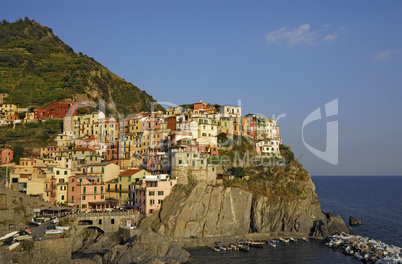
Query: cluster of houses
[[100, 162]]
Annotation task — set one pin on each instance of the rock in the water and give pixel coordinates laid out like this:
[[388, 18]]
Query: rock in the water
[[354, 221]]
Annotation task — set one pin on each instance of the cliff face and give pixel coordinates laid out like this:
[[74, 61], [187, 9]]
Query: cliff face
[[207, 211], [215, 210]]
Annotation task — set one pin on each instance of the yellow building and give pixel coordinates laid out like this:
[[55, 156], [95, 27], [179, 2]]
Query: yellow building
[[7, 110], [124, 183]]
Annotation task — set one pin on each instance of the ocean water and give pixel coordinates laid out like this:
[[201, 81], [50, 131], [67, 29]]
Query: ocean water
[[376, 200]]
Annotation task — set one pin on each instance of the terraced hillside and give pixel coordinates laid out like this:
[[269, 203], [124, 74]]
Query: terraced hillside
[[36, 67]]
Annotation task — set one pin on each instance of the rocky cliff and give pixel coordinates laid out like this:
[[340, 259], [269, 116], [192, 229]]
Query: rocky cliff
[[275, 201]]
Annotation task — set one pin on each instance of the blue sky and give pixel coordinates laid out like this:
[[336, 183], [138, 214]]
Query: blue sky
[[277, 57]]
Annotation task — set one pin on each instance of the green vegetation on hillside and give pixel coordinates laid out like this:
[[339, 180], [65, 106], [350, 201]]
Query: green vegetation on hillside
[[36, 67], [32, 134]]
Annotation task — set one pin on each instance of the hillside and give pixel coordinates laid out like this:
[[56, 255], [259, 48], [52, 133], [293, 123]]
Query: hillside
[[37, 67]]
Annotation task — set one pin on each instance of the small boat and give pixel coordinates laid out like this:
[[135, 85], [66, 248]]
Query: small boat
[[13, 246], [244, 248], [9, 235], [53, 231], [23, 237], [222, 248], [293, 239], [28, 230], [62, 227], [216, 249], [284, 240], [1, 244], [256, 244], [306, 239], [34, 222], [272, 245], [54, 220]]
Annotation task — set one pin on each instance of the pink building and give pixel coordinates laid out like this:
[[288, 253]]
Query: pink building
[[149, 196], [6, 155], [87, 193], [267, 147], [151, 123]]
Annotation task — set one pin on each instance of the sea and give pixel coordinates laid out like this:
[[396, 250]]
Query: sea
[[376, 200]]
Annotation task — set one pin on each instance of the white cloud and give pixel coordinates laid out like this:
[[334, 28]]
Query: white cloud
[[387, 54], [330, 37], [302, 34]]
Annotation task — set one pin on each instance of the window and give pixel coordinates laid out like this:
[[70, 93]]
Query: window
[[102, 197], [151, 193], [84, 206], [15, 180], [85, 190], [65, 172], [57, 172], [180, 162], [62, 197], [72, 198], [83, 197], [152, 201], [160, 201], [160, 192], [72, 188]]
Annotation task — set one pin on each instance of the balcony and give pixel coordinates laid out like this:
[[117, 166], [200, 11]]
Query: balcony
[[90, 183]]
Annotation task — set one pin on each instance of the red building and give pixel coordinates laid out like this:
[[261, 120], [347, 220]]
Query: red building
[[171, 123], [59, 109], [6, 155]]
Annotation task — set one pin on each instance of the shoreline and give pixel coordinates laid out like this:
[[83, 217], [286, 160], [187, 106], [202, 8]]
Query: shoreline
[[205, 242]]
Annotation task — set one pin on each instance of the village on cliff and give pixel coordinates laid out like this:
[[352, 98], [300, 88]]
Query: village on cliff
[[100, 162]]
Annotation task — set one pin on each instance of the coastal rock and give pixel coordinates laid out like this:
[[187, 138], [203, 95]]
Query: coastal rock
[[207, 211], [215, 211], [354, 221], [364, 248], [147, 248]]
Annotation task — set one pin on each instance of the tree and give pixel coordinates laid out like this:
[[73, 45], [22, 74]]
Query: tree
[[238, 172], [30, 65], [18, 153], [222, 137]]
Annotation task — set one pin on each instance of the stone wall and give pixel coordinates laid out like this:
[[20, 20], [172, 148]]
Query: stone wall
[[187, 174]]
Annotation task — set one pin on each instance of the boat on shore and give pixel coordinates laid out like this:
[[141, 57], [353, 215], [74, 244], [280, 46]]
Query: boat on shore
[[284, 240], [256, 244], [9, 235], [293, 239], [244, 248], [62, 227], [13, 246], [306, 239], [23, 237], [53, 232], [215, 249]]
